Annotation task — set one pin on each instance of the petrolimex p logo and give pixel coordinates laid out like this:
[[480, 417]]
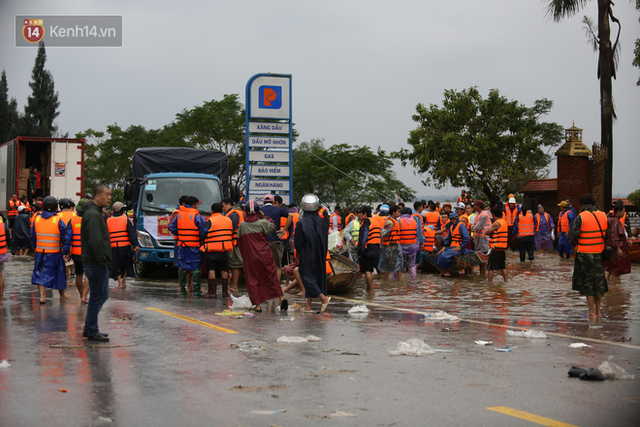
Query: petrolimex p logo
[[270, 97], [33, 30]]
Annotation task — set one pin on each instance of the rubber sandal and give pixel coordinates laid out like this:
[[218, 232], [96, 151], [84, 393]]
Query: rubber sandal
[[284, 305], [324, 306]]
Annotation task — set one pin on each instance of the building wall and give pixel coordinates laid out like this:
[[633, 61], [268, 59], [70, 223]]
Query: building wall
[[573, 178]]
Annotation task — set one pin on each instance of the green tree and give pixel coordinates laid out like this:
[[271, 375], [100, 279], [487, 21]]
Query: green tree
[[560, 9], [635, 198], [636, 51], [492, 146], [345, 174], [8, 111], [42, 106], [216, 125], [108, 154]]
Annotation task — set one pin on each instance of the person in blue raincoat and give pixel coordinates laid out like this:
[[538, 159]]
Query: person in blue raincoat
[[455, 244], [189, 228], [47, 236]]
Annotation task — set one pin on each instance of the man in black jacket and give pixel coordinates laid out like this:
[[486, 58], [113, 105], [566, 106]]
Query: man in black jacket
[[96, 258]]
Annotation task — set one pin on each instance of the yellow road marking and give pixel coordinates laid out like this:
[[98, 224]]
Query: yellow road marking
[[529, 417], [496, 325], [197, 322]]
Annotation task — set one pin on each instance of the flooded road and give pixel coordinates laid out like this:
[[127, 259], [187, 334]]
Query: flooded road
[[173, 361]]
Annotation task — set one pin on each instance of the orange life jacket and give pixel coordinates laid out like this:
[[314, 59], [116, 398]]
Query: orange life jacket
[[408, 231], [3, 240], [47, 234], [446, 230], [220, 235], [117, 226], [283, 222], [374, 230], [563, 221], [329, 267], [510, 215], [525, 225], [539, 220], [188, 233], [76, 241], [456, 235], [34, 216], [66, 216], [394, 235], [349, 218], [591, 239], [13, 207], [500, 237], [432, 218], [240, 219], [331, 221], [430, 238]]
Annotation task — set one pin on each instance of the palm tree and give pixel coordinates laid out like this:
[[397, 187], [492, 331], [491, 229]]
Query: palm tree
[[560, 9]]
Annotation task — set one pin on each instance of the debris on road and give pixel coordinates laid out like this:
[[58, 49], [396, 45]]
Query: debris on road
[[359, 309], [527, 334], [309, 338], [5, 364], [412, 347], [578, 345], [480, 342], [611, 371]]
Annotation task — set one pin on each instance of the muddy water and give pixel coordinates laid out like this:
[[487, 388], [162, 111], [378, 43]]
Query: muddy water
[[537, 294]]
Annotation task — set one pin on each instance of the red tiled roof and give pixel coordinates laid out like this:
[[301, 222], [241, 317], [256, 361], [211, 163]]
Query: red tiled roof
[[625, 201], [540, 185]]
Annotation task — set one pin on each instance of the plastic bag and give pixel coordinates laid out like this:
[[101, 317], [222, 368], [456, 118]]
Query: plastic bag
[[240, 303], [611, 371], [413, 347], [527, 334], [553, 235], [309, 338], [335, 241], [359, 309]]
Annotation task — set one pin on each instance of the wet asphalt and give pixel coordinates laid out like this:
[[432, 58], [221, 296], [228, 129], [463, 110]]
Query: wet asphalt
[[174, 361]]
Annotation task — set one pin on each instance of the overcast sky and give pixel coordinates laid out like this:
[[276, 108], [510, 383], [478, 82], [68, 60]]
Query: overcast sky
[[359, 67]]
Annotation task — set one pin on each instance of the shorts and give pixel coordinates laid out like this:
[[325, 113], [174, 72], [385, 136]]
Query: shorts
[[369, 260], [277, 250], [234, 258], [3, 259], [497, 259], [10, 221], [19, 243], [217, 261], [77, 263]]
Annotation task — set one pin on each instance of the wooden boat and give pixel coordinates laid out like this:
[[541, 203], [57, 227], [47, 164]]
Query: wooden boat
[[634, 249], [344, 276], [460, 262]]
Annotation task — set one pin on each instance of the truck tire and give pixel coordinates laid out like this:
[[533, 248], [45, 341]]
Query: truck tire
[[142, 269]]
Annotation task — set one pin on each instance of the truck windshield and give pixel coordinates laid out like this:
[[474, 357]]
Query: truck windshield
[[163, 194]]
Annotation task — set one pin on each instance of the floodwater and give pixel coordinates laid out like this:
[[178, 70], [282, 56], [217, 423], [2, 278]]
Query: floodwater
[[162, 370]]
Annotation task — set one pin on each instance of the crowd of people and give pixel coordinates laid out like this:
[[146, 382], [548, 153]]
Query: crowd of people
[[266, 242]]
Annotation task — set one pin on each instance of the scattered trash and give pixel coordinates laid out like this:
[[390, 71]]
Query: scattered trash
[[249, 388], [359, 309], [230, 313], [106, 419], [4, 364], [267, 412], [248, 314], [342, 414], [248, 347], [527, 334], [63, 390], [480, 342], [123, 318], [287, 319], [413, 347], [310, 338], [240, 303], [622, 339], [503, 349], [450, 330], [591, 374], [440, 315], [578, 345], [294, 307], [595, 326], [611, 371]]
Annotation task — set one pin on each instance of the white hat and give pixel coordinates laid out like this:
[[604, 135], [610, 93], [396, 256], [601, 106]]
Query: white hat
[[461, 206], [21, 208], [512, 200]]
